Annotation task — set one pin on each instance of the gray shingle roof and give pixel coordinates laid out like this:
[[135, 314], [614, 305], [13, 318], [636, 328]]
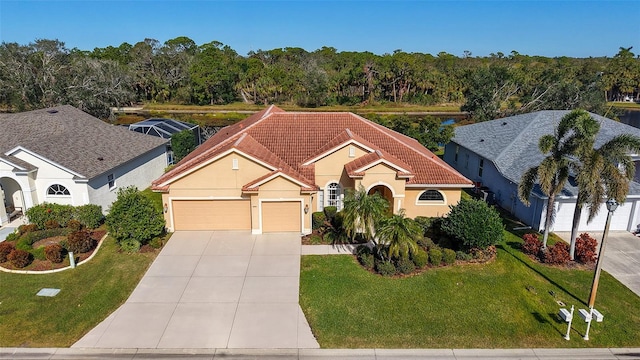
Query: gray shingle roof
[[512, 143], [73, 139]]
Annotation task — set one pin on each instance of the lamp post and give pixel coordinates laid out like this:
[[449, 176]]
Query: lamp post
[[611, 207]]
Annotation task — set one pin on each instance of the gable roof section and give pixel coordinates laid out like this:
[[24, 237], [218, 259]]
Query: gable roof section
[[357, 167], [73, 139], [512, 143], [297, 138]]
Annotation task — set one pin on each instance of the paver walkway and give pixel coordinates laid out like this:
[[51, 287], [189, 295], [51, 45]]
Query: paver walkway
[[621, 256], [213, 290]]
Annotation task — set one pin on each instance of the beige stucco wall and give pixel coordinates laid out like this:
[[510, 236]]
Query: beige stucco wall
[[413, 209], [331, 167]]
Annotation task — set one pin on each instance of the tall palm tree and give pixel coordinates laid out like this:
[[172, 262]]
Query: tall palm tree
[[399, 233], [362, 212], [573, 130], [603, 173]]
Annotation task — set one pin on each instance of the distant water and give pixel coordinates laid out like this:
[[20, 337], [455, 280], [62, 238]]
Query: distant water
[[631, 117]]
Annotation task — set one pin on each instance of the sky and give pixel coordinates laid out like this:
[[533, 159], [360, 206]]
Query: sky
[[545, 27]]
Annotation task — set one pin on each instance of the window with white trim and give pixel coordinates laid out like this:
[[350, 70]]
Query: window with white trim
[[480, 167], [58, 190], [431, 196], [333, 195], [112, 181]]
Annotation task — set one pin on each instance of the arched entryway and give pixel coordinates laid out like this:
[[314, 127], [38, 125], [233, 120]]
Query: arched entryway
[[385, 192], [12, 199]]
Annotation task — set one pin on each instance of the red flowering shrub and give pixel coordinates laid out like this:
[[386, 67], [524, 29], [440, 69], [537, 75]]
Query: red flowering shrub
[[531, 245], [27, 228], [585, 249], [80, 242], [51, 224], [19, 258], [558, 254], [53, 253], [5, 249]]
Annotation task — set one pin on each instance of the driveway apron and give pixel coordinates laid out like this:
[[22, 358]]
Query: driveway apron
[[621, 256], [211, 289]]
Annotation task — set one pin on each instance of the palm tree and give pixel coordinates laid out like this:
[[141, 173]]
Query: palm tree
[[362, 212], [575, 129], [603, 173], [399, 233]]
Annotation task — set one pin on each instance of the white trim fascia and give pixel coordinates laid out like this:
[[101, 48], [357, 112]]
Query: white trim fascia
[[383, 161], [20, 148], [438, 186], [336, 148], [278, 174], [214, 159], [13, 165]]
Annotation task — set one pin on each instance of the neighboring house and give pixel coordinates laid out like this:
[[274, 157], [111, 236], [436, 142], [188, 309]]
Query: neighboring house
[[271, 171], [165, 128], [63, 155], [495, 154]]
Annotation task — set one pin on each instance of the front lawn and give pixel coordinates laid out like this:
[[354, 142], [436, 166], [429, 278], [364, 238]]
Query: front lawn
[[89, 293], [509, 303]]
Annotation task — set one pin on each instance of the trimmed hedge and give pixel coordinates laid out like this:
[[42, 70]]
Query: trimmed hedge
[[89, 216]]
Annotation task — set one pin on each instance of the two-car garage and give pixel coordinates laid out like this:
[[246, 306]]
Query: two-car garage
[[206, 214]]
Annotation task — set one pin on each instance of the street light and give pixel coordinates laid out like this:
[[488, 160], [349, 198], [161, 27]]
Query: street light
[[612, 204]]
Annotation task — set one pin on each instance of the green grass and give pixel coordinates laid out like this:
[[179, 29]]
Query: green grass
[[89, 293], [624, 105], [507, 303]]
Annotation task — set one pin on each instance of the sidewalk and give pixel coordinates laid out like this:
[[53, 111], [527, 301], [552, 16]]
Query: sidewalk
[[304, 354]]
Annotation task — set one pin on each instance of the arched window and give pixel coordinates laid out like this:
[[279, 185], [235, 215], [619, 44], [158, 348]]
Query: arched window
[[431, 195], [58, 190], [333, 195]]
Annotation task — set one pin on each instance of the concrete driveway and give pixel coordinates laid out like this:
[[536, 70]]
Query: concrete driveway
[[621, 256], [211, 289]]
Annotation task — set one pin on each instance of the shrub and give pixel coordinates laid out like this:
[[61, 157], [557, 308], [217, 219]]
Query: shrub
[[425, 222], [53, 253], [315, 239], [435, 256], [385, 268], [27, 240], [19, 258], [27, 228], [585, 251], [51, 224], [420, 258], [426, 243], [80, 242], [12, 237], [90, 215], [38, 253], [133, 216], [463, 256], [40, 214], [449, 256], [474, 224], [317, 220], [156, 242], [74, 225], [130, 245], [558, 254], [5, 249], [532, 245], [330, 212], [405, 266], [365, 256]]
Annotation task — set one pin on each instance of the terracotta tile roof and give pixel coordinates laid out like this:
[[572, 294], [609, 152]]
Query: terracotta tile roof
[[372, 158], [293, 138]]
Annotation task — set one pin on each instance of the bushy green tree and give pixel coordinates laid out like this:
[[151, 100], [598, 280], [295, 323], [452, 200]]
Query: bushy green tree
[[398, 233], [182, 144], [133, 216], [474, 224]]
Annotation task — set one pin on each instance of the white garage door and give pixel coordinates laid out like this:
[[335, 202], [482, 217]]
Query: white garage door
[[619, 220], [211, 214]]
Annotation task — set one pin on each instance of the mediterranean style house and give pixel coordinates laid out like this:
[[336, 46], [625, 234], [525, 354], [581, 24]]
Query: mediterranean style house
[[271, 171], [495, 154], [66, 156]]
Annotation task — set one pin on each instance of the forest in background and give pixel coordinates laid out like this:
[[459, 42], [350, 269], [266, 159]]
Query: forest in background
[[45, 73]]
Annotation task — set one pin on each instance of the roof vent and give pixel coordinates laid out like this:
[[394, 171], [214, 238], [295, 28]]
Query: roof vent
[[481, 140], [504, 123], [100, 158], [52, 111]]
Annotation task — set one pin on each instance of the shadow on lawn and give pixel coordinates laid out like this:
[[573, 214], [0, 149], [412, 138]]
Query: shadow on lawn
[[516, 246]]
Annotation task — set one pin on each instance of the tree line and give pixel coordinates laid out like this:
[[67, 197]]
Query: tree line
[[46, 73]]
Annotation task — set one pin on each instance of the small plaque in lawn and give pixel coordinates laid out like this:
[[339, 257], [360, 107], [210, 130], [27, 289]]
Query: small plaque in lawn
[[48, 292]]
